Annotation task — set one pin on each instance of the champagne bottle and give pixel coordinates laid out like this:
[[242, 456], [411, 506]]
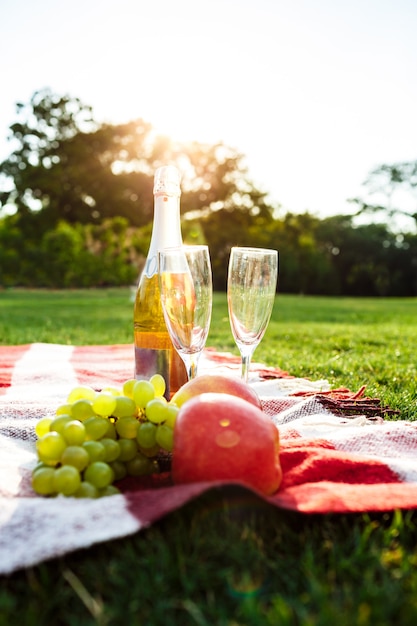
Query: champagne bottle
[[154, 352]]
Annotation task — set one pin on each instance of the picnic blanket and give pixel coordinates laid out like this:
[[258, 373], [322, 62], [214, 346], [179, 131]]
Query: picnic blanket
[[338, 453]]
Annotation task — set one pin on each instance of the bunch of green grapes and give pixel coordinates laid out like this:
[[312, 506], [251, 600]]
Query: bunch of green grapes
[[97, 438]]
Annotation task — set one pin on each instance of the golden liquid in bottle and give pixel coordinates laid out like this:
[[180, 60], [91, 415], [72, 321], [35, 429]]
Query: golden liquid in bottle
[[154, 352]]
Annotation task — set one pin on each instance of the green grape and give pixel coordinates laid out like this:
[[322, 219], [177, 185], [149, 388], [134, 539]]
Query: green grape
[[165, 437], [150, 452], [104, 404], [74, 433], [171, 413], [42, 427], [86, 490], [156, 410], [158, 383], [112, 449], [50, 448], [143, 392], [119, 469], [77, 456], [63, 409], [146, 435], [82, 409], [82, 392], [95, 428], [111, 430], [96, 450], [67, 480], [128, 387], [127, 427], [99, 474], [110, 490], [43, 481], [113, 391], [140, 465], [40, 465], [58, 423], [125, 407], [128, 449]]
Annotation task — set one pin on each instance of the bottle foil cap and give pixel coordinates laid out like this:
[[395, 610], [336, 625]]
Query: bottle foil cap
[[167, 181]]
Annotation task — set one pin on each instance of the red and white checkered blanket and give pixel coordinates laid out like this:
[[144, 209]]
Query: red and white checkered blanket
[[332, 463]]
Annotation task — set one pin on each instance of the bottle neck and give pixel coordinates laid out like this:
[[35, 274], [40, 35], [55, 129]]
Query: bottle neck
[[166, 231]]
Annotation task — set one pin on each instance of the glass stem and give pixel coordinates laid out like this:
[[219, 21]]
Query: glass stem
[[246, 358], [190, 361]]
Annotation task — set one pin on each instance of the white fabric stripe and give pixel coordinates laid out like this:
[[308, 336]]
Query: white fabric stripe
[[34, 530], [273, 388], [281, 387], [43, 366]]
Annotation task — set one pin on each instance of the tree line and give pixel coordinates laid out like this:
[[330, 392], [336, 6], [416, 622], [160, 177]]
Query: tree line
[[77, 206]]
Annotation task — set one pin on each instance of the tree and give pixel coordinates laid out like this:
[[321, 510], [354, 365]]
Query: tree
[[369, 259], [70, 255], [305, 266], [391, 191], [245, 220], [62, 166], [66, 166]]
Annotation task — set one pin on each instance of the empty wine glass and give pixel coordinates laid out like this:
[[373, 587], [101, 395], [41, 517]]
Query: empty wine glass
[[185, 282], [251, 289]]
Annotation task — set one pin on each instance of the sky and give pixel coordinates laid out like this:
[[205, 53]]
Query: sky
[[314, 93]]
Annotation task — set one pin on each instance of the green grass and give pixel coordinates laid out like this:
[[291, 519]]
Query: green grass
[[226, 558]]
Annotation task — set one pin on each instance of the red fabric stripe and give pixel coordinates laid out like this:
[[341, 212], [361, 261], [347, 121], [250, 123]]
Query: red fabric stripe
[[322, 497], [101, 366], [264, 372], [9, 355], [305, 461], [326, 497]]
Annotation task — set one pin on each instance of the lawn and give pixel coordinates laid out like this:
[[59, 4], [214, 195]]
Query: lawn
[[227, 559]]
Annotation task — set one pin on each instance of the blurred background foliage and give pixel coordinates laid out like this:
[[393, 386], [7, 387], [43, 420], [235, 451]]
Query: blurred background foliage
[[76, 209]]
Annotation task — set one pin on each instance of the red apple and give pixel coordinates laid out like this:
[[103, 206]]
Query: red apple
[[222, 437], [215, 383]]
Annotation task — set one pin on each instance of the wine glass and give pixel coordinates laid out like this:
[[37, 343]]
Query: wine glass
[[251, 289], [185, 282]]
